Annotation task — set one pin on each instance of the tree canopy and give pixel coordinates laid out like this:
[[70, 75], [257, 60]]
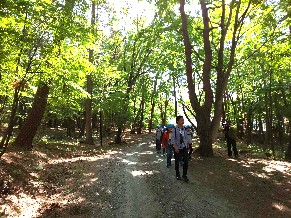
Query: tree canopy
[[231, 56]]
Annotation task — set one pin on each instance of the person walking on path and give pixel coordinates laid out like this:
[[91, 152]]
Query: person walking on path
[[163, 144], [189, 137], [230, 137], [167, 144], [158, 138], [180, 143]]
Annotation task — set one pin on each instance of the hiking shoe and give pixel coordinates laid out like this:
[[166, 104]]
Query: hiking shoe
[[178, 177], [185, 178]]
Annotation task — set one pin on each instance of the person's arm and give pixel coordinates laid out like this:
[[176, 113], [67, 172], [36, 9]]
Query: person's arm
[[174, 143]]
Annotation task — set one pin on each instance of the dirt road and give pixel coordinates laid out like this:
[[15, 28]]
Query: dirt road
[[133, 181]]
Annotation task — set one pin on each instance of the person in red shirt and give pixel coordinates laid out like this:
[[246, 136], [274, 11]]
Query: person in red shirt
[[167, 144]]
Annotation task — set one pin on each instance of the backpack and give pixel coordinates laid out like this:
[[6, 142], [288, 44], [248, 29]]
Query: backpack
[[232, 132], [176, 129]]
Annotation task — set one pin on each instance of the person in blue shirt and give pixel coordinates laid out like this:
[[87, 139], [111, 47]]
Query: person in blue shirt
[[181, 145]]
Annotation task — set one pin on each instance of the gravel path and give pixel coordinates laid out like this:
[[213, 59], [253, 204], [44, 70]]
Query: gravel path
[[133, 181]]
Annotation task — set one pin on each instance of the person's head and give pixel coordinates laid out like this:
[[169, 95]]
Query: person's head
[[180, 120], [170, 127]]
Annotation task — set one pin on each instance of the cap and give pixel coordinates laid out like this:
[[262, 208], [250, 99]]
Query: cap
[[170, 126]]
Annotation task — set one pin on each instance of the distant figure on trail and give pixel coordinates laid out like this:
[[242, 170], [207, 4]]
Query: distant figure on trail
[[158, 138], [167, 143], [230, 137], [189, 137], [180, 143], [163, 146]]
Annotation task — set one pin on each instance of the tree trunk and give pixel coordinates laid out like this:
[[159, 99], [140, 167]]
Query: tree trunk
[[33, 120], [3, 106], [163, 110], [204, 133], [249, 125], [81, 124], [8, 132], [224, 108], [135, 115], [118, 136], [153, 104], [280, 122], [288, 152], [271, 113], [269, 116], [88, 102], [21, 109], [203, 110], [88, 109], [151, 117], [140, 126]]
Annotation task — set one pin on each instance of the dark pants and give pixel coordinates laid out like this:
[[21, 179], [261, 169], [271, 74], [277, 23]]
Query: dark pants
[[158, 145], [169, 154], [183, 154], [231, 143], [190, 150]]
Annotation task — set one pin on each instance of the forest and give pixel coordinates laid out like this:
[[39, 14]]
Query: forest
[[93, 72]]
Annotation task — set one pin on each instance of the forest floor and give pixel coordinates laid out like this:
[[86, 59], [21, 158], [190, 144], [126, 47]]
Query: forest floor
[[131, 180]]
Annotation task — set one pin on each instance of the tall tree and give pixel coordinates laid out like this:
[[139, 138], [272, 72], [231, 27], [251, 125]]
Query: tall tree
[[89, 85], [232, 19], [28, 131]]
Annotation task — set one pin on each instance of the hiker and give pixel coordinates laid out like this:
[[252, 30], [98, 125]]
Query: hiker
[[158, 138], [163, 145], [189, 137], [180, 144], [230, 137], [167, 144]]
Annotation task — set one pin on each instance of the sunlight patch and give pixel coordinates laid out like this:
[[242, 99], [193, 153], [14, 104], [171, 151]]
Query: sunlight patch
[[115, 152], [130, 154], [108, 191], [93, 180], [146, 152], [280, 207], [143, 143], [278, 166], [129, 162], [75, 159], [142, 173], [260, 175], [28, 206]]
